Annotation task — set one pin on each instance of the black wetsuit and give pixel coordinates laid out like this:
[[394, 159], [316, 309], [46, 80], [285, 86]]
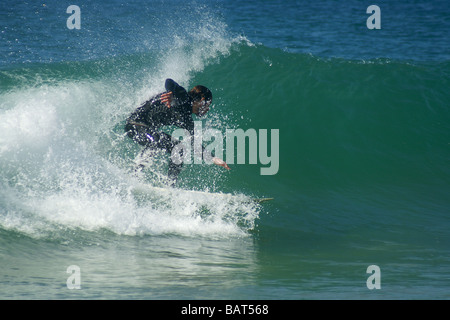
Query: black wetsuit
[[144, 124]]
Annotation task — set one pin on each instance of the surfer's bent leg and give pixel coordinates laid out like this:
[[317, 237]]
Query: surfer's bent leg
[[144, 137], [165, 142], [157, 140]]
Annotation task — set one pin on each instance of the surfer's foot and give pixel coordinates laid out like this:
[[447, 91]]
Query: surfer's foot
[[172, 183], [172, 180], [174, 171]]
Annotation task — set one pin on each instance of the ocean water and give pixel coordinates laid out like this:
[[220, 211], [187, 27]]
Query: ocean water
[[364, 148]]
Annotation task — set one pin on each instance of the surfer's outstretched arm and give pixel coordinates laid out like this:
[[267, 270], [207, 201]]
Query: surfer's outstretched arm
[[220, 162]]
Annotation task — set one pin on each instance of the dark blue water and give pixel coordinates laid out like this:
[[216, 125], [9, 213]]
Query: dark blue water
[[410, 30]]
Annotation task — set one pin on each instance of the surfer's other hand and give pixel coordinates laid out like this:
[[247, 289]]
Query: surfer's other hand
[[221, 163]]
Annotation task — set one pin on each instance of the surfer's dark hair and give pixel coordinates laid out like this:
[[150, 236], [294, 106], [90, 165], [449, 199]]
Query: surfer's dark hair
[[199, 92]]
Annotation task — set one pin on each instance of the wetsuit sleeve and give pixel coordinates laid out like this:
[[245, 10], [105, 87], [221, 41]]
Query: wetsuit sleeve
[[178, 91]]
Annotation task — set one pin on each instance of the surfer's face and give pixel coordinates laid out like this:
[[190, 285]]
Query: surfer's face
[[200, 108]]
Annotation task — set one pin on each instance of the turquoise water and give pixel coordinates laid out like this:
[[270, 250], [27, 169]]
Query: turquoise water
[[364, 145]]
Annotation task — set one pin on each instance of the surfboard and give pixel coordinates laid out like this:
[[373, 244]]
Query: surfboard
[[153, 190]]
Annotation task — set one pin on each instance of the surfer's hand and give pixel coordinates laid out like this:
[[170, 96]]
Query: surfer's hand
[[221, 163], [166, 98]]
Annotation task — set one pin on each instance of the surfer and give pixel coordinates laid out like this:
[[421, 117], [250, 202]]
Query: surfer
[[174, 107]]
